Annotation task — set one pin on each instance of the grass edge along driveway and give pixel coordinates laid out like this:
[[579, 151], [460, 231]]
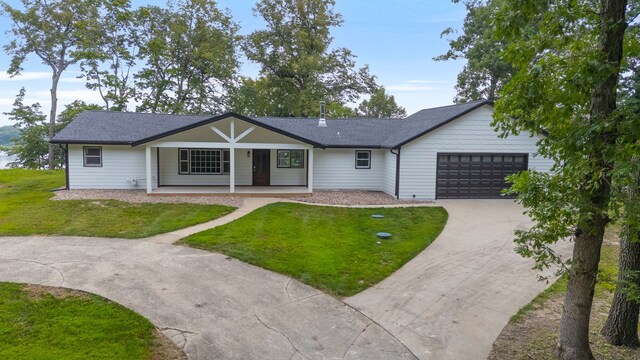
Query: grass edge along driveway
[[334, 249], [38, 322], [26, 208]]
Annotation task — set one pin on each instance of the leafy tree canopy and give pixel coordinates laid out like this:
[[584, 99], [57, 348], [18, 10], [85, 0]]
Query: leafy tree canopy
[[381, 105], [298, 67], [485, 71]]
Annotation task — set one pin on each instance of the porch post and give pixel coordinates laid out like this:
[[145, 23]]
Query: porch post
[[148, 168], [232, 158], [232, 169], [310, 171]]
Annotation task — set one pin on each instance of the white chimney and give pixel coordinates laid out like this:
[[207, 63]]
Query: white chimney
[[322, 122]]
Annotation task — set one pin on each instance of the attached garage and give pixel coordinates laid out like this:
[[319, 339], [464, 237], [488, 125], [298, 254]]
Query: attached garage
[[476, 175]]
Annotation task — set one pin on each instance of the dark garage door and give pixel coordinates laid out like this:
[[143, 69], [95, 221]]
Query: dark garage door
[[475, 175]]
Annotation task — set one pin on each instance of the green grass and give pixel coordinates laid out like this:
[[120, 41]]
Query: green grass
[[26, 209], [332, 249], [70, 327]]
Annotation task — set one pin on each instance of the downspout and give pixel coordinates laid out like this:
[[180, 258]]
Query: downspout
[[397, 172], [158, 167]]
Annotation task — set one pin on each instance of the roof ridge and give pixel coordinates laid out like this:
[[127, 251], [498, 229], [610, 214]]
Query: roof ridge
[[452, 105], [146, 114]]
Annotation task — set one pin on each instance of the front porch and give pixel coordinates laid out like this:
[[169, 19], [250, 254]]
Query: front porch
[[229, 157], [253, 191]]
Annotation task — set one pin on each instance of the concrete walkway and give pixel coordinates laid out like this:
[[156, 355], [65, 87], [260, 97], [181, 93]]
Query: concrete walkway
[[453, 299], [248, 205], [450, 302], [213, 306]]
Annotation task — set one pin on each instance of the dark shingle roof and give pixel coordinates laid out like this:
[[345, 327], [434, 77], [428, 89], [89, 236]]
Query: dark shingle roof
[[103, 127]]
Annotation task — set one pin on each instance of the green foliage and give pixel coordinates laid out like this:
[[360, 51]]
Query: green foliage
[[298, 67], [381, 105], [60, 33], [26, 209], [485, 71], [6, 134], [559, 67], [190, 57], [110, 67], [30, 147], [333, 249], [70, 326]]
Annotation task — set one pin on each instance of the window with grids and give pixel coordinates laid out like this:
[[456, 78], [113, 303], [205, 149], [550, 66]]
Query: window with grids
[[92, 156], [363, 159], [290, 158], [204, 161]]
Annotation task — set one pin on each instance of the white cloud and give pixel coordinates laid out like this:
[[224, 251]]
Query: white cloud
[[410, 87], [424, 82], [26, 76]]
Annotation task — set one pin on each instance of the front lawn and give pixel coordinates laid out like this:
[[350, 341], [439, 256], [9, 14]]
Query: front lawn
[[26, 209], [332, 249], [51, 323]]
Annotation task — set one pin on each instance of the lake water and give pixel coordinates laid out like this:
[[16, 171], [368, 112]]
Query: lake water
[[5, 159]]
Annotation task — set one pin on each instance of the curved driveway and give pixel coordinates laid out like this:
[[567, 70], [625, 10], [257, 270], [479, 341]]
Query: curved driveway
[[453, 299], [450, 302]]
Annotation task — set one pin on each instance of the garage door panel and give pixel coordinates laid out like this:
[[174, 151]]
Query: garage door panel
[[476, 175]]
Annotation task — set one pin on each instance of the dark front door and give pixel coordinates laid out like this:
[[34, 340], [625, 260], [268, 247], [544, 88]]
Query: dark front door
[[261, 167]]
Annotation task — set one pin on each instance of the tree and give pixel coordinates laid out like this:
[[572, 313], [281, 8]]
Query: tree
[[298, 69], [58, 33], [621, 327], [30, 147], [110, 68], [381, 105], [190, 54], [485, 71], [565, 85]]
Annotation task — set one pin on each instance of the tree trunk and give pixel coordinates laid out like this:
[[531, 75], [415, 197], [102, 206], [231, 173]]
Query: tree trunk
[[621, 327], [573, 341], [52, 117]]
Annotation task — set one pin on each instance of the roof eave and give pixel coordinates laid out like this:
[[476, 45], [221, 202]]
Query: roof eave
[[222, 117], [92, 142]]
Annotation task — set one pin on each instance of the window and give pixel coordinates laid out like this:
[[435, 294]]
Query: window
[[203, 161], [290, 158], [92, 156], [363, 159]]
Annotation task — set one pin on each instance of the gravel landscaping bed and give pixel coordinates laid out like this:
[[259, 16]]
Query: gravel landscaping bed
[[140, 196], [355, 197]]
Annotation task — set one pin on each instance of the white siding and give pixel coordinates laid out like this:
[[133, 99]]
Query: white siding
[[244, 171], [287, 176], [389, 172], [119, 163], [470, 133], [335, 169]]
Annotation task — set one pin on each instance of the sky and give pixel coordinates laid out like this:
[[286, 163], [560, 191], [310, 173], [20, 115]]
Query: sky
[[397, 39]]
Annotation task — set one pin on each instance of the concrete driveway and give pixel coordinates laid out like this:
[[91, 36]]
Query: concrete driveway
[[453, 299], [450, 302], [215, 307]]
